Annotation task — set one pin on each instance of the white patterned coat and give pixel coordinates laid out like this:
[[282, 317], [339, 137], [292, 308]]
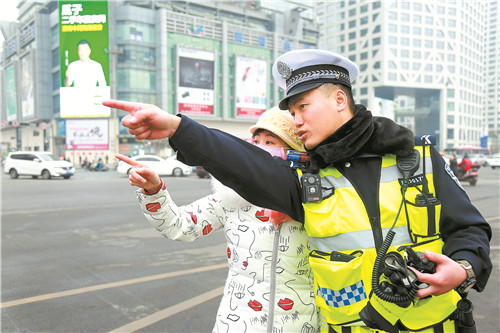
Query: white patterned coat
[[269, 286]]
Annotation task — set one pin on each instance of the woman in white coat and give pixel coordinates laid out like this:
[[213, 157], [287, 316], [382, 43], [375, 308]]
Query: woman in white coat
[[269, 286]]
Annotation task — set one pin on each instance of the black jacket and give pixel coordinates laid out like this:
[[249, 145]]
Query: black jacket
[[269, 182]]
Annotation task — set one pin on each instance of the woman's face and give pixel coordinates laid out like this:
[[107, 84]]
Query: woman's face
[[267, 138]]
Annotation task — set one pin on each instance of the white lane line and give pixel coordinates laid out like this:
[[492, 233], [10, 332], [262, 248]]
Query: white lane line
[[77, 291], [168, 312]]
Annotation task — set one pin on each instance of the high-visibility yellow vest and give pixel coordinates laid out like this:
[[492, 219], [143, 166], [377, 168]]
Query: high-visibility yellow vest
[[340, 223]]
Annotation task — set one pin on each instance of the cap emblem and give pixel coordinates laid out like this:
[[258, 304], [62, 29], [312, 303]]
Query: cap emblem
[[284, 70]]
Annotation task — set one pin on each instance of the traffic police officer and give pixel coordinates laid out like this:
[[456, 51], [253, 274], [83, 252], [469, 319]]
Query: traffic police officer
[[354, 197]]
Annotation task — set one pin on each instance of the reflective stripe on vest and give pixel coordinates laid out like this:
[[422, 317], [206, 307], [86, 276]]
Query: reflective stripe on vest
[[355, 240]]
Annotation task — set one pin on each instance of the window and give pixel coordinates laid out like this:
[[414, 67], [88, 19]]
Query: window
[[352, 35], [393, 40], [376, 41], [417, 42], [138, 55], [55, 57], [135, 78], [135, 31], [393, 28], [405, 29], [352, 24]]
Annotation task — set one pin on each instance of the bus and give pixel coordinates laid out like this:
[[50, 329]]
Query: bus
[[476, 154]]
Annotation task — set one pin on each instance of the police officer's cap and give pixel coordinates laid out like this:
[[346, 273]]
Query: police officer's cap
[[301, 70]]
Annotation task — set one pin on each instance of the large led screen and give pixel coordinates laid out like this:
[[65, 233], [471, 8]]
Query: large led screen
[[84, 61], [195, 91], [251, 86]]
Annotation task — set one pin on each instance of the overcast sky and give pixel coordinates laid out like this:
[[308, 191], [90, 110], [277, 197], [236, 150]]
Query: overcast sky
[[8, 12]]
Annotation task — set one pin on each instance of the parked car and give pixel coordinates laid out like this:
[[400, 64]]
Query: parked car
[[37, 164], [164, 167], [494, 161], [202, 173]]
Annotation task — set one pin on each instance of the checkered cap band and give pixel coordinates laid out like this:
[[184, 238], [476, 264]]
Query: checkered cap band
[[345, 296], [322, 72]]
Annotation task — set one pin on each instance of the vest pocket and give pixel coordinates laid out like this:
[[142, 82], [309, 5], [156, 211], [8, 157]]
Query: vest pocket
[[416, 212], [339, 285]]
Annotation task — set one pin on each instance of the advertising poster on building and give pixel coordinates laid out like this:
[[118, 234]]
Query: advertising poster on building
[[27, 87], [10, 92], [84, 62], [251, 86], [87, 134], [195, 91]]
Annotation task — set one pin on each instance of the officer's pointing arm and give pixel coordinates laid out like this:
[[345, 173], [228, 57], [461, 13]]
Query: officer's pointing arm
[[146, 121]]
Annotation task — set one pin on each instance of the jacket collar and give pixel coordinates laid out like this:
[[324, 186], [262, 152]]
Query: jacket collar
[[362, 134]]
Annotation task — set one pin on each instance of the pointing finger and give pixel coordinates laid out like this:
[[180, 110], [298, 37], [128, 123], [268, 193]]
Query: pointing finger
[[128, 160], [130, 107]]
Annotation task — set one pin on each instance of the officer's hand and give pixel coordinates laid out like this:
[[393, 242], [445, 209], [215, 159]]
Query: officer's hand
[[146, 121], [141, 175], [449, 275]]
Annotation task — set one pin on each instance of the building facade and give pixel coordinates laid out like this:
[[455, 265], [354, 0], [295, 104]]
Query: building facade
[[191, 57], [422, 63]]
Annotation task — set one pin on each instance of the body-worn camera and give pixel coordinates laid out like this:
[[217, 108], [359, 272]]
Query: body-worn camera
[[311, 187]]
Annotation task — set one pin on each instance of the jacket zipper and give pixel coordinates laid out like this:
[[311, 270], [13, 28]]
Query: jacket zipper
[[273, 278], [374, 220]]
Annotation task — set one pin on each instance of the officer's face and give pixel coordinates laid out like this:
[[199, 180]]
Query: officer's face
[[316, 116]]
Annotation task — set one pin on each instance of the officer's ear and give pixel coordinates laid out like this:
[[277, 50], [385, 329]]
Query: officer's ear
[[341, 99]]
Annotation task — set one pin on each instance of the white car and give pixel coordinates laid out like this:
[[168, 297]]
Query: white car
[[164, 167], [493, 161], [35, 164]]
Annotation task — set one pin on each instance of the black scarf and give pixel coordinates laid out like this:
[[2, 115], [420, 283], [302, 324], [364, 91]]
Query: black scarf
[[361, 134]]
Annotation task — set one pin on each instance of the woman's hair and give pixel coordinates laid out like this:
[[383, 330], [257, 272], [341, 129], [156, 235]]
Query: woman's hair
[[329, 88]]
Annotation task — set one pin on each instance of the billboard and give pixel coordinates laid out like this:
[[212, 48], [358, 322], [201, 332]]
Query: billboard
[[10, 92], [27, 90], [84, 62], [251, 86], [195, 89], [87, 134]]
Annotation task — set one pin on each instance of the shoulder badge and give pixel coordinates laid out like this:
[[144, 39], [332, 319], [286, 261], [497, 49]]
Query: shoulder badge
[[452, 175]]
